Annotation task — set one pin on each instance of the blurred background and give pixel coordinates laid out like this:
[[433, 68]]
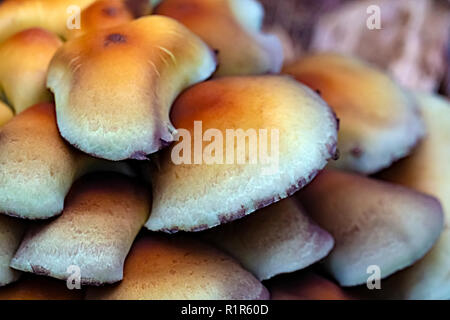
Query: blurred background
[[413, 44]]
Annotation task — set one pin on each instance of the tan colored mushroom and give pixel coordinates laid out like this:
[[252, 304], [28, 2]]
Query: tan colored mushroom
[[233, 29], [31, 287], [37, 167], [427, 170], [114, 88], [103, 14], [179, 268], [279, 238], [379, 121], [102, 215], [305, 285], [51, 15], [245, 142], [24, 60], [379, 228]]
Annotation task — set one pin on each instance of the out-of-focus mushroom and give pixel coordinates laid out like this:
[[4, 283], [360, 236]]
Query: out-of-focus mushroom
[[160, 267], [102, 216], [37, 167], [103, 14], [305, 285], [6, 113], [52, 15], [379, 121], [427, 170], [114, 88], [233, 28], [374, 223], [246, 142], [24, 60], [31, 287], [11, 232], [277, 239]]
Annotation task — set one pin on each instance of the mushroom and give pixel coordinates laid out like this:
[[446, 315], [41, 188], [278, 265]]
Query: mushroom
[[379, 228], [379, 121], [102, 216], [179, 268], [233, 29], [37, 168], [11, 232], [24, 59], [6, 113], [305, 285], [246, 142], [103, 14], [279, 238], [31, 287], [120, 111], [427, 170], [52, 15]]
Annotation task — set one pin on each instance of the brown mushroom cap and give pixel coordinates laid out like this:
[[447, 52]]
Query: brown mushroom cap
[[103, 214], [305, 285], [374, 223], [379, 121], [31, 287], [233, 28], [295, 122], [277, 239], [51, 15], [37, 167], [114, 88], [160, 267], [11, 232], [24, 60], [103, 14]]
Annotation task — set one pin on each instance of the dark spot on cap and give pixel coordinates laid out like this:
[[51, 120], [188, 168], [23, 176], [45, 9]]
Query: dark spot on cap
[[115, 38], [216, 51], [137, 7], [110, 11]]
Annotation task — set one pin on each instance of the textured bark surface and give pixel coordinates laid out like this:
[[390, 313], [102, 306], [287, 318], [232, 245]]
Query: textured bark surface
[[411, 44]]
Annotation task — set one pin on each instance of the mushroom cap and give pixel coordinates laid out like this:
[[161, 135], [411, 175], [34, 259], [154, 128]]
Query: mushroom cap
[[305, 285], [24, 60], [379, 121], [180, 268], [103, 214], [427, 170], [11, 232], [380, 224], [295, 126], [6, 113], [114, 88], [52, 15], [37, 167], [103, 14], [31, 287], [279, 238], [233, 28]]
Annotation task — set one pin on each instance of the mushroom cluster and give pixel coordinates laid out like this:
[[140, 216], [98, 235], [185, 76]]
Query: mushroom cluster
[[163, 147]]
